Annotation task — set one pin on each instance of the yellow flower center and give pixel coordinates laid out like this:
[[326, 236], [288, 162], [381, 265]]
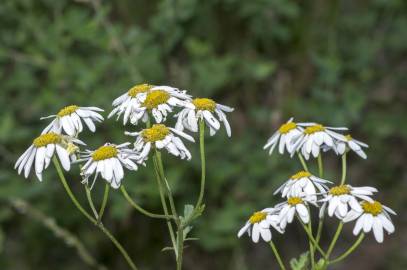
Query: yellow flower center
[[139, 88], [300, 174], [156, 133], [294, 201], [257, 217], [348, 137], [155, 98], [67, 110], [104, 152], [45, 139], [285, 128], [373, 208], [314, 129], [204, 104], [339, 190], [72, 148]]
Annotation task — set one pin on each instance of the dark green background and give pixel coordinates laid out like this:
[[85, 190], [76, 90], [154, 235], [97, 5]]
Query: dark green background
[[341, 63]]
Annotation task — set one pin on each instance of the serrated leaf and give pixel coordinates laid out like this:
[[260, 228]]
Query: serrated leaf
[[301, 263]]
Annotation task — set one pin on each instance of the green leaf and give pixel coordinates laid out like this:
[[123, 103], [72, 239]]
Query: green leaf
[[188, 210], [320, 265], [301, 263]]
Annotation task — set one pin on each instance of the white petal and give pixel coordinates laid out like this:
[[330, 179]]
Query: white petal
[[256, 233], [266, 235], [63, 157], [377, 229], [40, 159], [243, 229]]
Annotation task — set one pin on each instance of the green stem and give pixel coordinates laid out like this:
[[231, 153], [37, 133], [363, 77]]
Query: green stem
[[320, 166], [332, 245], [312, 239], [275, 251], [164, 180], [304, 165], [321, 220], [90, 201], [350, 250], [311, 246], [104, 202], [85, 213], [180, 233], [180, 246], [139, 208], [203, 166], [164, 205], [343, 169], [319, 231]]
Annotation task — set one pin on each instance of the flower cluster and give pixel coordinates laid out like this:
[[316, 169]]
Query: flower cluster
[[143, 102], [304, 190], [309, 139]]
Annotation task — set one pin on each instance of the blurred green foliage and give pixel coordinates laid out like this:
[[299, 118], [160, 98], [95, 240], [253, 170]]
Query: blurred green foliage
[[336, 62]]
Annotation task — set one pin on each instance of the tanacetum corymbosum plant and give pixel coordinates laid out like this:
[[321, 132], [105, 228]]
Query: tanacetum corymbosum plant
[[151, 106], [306, 191]]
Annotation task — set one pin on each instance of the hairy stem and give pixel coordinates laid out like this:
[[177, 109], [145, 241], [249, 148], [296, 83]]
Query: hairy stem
[[335, 238], [139, 208], [276, 253], [312, 239], [350, 250], [304, 165], [311, 246], [90, 201], [321, 220], [203, 166], [164, 205], [343, 169], [85, 213], [104, 202]]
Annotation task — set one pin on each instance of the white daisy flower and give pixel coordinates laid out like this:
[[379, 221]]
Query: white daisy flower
[[108, 161], [43, 149], [203, 109], [341, 199], [352, 144], [305, 184], [69, 119], [283, 137], [293, 205], [142, 98], [259, 225], [160, 136], [374, 216], [314, 138]]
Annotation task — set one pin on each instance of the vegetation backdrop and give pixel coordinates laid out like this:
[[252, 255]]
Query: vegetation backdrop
[[341, 63]]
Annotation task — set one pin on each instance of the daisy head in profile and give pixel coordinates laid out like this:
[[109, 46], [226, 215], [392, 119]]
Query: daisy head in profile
[[69, 119], [283, 137], [341, 199], [204, 109], [141, 99], [315, 137], [351, 144], [294, 205], [108, 161], [260, 223], [43, 149], [303, 183], [372, 216], [160, 136]]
